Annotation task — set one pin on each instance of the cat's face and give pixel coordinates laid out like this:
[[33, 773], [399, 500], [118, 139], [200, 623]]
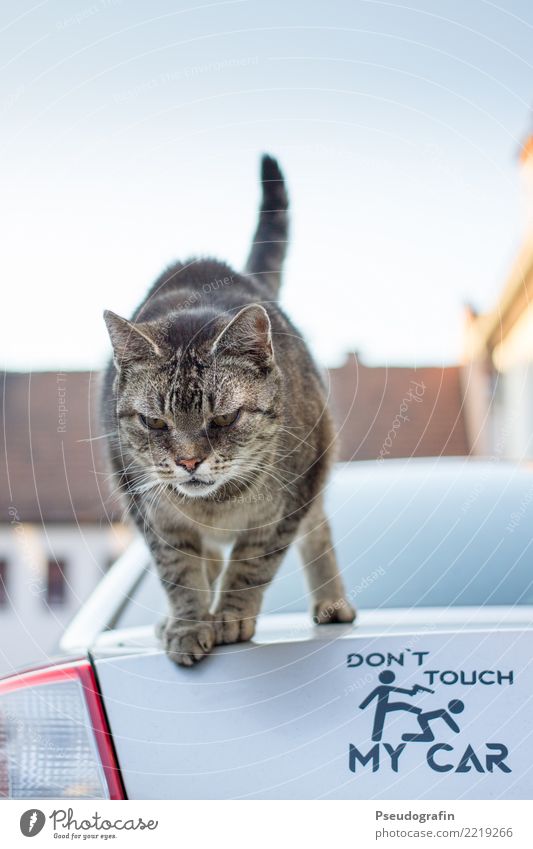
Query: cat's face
[[196, 415]]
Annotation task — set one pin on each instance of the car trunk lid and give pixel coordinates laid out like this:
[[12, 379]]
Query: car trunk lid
[[294, 713]]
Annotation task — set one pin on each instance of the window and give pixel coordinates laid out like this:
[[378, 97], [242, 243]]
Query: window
[[4, 598], [56, 585]]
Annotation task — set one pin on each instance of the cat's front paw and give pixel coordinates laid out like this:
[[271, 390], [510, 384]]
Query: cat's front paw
[[333, 610], [229, 628], [186, 644]]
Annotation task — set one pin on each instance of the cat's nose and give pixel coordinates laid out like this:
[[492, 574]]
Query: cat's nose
[[189, 463]]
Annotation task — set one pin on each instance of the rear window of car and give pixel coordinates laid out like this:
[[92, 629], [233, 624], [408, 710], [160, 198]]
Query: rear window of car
[[415, 534]]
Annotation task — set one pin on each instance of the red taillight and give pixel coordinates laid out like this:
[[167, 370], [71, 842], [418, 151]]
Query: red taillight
[[54, 738]]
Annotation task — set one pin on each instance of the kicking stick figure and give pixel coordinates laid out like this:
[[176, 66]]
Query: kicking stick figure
[[383, 707]]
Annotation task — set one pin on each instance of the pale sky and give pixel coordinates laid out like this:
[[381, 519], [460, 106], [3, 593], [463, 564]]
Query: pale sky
[[131, 133]]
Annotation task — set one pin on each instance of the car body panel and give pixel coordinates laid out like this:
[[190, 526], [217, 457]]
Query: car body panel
[[276, 718], [436, 555]]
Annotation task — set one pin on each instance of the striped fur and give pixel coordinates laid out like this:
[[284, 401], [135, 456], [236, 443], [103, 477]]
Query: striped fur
[[208, 342]]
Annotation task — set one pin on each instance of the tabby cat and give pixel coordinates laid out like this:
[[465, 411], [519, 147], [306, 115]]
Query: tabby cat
[[219, 435]]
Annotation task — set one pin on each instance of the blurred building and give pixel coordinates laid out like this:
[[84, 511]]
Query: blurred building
[[498, 355], [59, 529], [389, 412]]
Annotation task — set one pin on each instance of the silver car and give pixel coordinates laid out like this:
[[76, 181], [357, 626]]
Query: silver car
[[428, 695]]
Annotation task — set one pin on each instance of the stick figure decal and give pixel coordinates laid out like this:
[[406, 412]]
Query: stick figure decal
[[434, 720], [384, 706]]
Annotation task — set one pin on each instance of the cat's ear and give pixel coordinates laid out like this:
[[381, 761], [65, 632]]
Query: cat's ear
[[130, 341], [249, 334]]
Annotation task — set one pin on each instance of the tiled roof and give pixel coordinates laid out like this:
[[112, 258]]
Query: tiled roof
[[397, 412], [51, 471]]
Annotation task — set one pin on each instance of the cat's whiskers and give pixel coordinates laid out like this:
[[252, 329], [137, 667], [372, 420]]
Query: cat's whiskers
[[95, 438], [277, 478], [144, 481], [145, 487], [246, 476], [123, 486], [134, 483], [149, 507]]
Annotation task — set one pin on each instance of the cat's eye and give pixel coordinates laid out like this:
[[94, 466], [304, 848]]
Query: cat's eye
[[153, 423], [226, 420]]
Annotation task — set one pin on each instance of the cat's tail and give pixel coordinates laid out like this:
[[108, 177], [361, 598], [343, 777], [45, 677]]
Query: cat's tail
[[271, 236]]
